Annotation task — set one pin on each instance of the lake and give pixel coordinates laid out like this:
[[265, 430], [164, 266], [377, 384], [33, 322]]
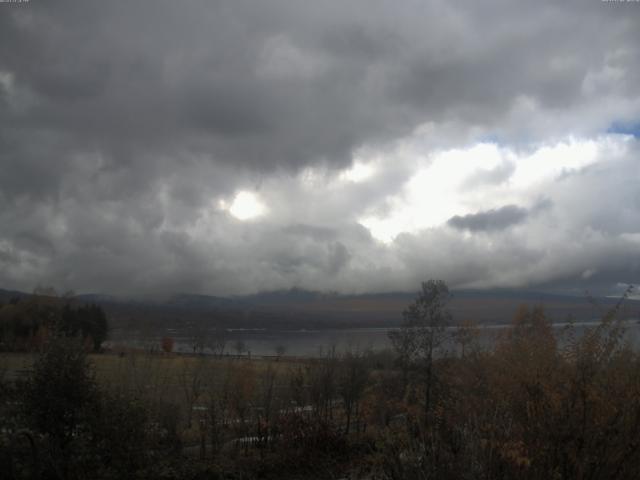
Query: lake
[[312, 343]]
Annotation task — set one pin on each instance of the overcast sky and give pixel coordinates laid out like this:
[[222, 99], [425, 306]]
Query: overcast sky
[[230, 147]]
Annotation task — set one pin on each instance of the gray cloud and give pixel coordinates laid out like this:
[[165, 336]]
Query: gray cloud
[[120, 129], [494, 219]]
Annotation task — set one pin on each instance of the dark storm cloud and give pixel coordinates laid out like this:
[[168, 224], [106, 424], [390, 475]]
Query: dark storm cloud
[[182, 78], [268, 84], [495, 219], [120, 129], [323, 233]]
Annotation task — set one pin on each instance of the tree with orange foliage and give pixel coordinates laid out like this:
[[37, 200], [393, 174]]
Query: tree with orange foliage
[[167, 344]]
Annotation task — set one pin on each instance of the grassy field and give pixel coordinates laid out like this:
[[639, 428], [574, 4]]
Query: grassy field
[[112, 368], [168, 376], [184, 383]]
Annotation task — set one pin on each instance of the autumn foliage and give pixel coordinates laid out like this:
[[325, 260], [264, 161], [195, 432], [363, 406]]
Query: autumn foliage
[[535, 403], [540, 404], [167, 344]]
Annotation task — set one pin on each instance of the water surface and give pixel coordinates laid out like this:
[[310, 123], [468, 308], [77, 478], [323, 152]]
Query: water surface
[[311, 343]]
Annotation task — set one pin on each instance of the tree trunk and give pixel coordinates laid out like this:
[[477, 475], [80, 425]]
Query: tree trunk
[[427, 389]]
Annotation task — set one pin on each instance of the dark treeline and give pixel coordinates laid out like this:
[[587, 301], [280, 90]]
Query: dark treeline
[[530, 407], [26, 323]]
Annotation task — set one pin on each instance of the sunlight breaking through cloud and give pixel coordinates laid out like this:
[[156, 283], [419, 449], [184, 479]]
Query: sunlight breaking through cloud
[[246, 206]]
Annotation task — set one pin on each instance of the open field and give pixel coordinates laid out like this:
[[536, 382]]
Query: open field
[[111, 368], [182, 383]]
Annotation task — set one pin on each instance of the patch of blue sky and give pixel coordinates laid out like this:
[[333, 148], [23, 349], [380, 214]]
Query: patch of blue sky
[[625, 128], [489, 138]]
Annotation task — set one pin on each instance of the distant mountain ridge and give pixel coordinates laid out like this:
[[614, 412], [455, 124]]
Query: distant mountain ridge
[[298, 295], [299, 308]]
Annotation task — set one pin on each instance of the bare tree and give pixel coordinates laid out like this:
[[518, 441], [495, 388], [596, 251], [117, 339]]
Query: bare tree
[[217, 342], [218, 409], [199, 341], [280, 351], [422, 333], [191, 381], [465, 335], [239, 347], [322, 377], [297, 391], [354, 374], [267, 407], [242, 386]]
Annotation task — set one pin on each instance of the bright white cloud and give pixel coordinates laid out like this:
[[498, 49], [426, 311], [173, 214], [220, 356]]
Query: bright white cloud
[[357, 173], [549, 161], [246, 206], [441, 187]]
